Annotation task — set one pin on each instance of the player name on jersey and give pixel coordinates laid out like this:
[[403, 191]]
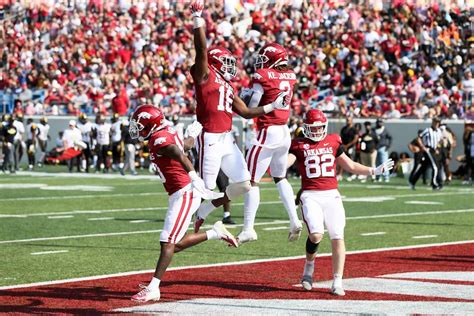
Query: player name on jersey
[[281, 75], [318, 151]]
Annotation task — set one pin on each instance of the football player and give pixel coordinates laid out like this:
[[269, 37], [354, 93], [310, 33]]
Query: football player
[[86, 131], [317, 155], [184, 186], [102, 133], [31, 142], [216, 99], [117, 142], [43, 137], [270, 148]]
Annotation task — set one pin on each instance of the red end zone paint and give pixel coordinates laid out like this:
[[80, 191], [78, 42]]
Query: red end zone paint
[[269, 280]]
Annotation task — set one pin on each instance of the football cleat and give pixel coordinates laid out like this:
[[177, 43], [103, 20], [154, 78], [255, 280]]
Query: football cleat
[[246, 236], [228, 220], [295, 232], [307, 282], [146, 295], [198, 223], [224, 234], [337, 290]]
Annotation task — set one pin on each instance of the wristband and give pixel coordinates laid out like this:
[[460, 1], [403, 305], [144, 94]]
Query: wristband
[[193, 175], [268, 108], [198, 22]]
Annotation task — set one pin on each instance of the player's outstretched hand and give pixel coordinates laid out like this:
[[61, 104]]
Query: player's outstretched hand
[[196, 8], [193, 130], [385, 166]]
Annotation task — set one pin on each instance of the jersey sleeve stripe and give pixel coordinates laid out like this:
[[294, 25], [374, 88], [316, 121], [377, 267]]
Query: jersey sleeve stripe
[[250, 159], [178, 218], [190, 202]]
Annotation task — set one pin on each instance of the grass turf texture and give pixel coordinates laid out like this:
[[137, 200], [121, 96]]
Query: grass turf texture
[[128, 252]]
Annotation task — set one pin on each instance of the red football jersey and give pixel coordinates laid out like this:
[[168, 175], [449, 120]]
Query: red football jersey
[[274, 82], [317, 161], [171, 171], [214, 99]]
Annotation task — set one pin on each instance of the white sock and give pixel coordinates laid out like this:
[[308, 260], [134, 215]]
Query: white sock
[[251, 203], [154, 284], [309, 268], [212, 235], [288, 198], [226, 214], [205, 209], [337, 282], [84, 164]]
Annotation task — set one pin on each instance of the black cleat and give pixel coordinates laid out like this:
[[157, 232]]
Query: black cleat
[[228, 220]]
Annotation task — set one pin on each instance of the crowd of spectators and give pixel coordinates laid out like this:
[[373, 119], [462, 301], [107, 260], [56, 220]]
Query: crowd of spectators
[[401, 61]]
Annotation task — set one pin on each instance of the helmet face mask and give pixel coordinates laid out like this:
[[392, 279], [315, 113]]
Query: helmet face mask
[[315, 125], [223, 62]]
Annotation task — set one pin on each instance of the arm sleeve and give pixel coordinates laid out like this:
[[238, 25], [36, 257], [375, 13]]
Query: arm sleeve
[[340, 148], [293, 147]]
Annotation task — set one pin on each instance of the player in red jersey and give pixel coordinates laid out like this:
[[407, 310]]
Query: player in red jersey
[[270, 148], [216, 100], [183, 185], [317, 155]]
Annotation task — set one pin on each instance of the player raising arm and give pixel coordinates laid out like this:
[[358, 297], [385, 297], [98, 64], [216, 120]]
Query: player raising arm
[[317, 155], [216, 100], [183, 185]]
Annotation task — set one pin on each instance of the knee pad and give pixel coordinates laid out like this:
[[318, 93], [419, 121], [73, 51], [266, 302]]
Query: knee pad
[[311, 247], [234, 190]]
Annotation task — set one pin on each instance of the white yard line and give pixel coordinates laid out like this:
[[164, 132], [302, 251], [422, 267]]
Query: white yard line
[[373, 234], [84, 196], [48, 252], [277, 228], [100, 218], [424, 236], [235, 263], [60, 216], [424, 202], [257, 224], [137, 221]]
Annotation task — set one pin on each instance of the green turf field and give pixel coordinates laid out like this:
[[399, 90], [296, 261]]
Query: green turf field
[[102, 225]]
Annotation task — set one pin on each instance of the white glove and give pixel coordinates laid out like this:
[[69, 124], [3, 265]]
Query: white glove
[[196, 11], [193, 130], [198, 185], [279, 103], [385, 166]]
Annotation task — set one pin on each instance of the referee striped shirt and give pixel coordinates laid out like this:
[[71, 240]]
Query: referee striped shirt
[[431, 137]]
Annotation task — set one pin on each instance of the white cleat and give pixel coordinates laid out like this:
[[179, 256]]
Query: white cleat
[[224, 234], [146, 295], [295, 232], [337, 290], [307, 282], [246, 236]]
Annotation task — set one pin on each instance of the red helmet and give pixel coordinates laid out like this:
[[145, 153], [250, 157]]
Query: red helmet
[[271, 55], [145, 120], [222, 61], [315, 125]]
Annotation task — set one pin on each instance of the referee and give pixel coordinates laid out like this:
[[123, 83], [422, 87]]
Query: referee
[[428, 141]]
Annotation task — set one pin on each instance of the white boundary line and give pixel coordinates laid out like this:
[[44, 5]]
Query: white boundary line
[[256, 224], [48, 252], [235, 263]]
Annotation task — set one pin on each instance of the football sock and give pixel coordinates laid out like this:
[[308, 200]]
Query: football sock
[[337, 282], [154, 284], [309, 268], [226, 214], [205, 209], [251, 203], [288, 198], [212, 234]]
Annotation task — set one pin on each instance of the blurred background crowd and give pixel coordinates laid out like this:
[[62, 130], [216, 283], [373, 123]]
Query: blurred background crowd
[[388, 59]]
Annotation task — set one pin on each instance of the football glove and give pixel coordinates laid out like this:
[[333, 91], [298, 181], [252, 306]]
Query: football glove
[[279, 103], [193, 130], [196, 11], [199, 186], [385, 166]]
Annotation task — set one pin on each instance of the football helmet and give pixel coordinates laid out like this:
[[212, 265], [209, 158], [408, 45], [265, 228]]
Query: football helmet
[[271, 55], [83, 118], [222, 61], [315, 125], [146, 120]]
